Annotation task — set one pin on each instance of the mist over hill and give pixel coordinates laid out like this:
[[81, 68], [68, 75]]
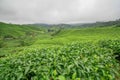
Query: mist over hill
[[95, 24]]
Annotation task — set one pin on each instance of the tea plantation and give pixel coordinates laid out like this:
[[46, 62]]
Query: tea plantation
[[35, 53], [75, 61]]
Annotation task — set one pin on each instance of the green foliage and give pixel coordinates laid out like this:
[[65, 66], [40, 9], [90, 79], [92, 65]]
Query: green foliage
[[111, 44], [2, 44], [118, 25], [56, 32], [26, 41], [17, 35], [75, 61], [15, 31], [8, 37]]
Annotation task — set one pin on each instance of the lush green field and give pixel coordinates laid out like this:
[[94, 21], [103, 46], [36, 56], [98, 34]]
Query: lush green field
[[35, 53], [75, 61], [83, 35], [40, 38]]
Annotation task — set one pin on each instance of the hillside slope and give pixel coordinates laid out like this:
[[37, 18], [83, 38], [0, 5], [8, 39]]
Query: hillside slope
[[15, 31], [83, 35], [16, 38]]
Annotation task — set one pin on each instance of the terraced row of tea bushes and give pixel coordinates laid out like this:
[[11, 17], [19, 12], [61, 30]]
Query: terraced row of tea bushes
[[76, 61]]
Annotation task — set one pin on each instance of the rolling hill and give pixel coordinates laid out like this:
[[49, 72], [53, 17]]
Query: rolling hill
[[51, 53], [15, 31]]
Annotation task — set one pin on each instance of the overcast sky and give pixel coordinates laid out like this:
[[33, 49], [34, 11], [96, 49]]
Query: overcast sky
[[58, 11]]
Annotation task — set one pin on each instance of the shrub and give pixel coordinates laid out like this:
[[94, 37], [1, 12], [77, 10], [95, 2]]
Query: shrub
[[72, 62], [118, 25], [9, 37], [113, 45], [2, 44], [26, 42]]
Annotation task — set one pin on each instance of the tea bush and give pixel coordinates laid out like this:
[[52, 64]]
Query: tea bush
[[2, 44], [113, 45], [75, 61]]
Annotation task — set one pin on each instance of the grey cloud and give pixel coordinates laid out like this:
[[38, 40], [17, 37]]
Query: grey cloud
[[58, 11]]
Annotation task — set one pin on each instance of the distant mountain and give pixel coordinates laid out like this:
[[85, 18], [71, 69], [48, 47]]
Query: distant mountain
[[102, 24], [50, 25], [96, 24], [76, 25]]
